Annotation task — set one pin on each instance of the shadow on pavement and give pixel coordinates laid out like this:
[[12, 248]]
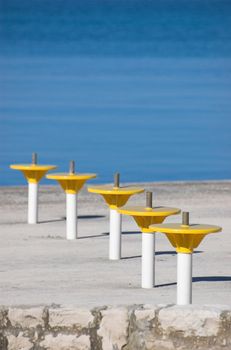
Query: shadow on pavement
[[212, 279], [79, 217], [52, 220], [91, 216], [131, 257], [94, 236]]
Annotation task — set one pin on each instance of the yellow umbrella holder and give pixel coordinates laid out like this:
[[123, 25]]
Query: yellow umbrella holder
[[115, 196], [71, 183], [33, 173], [185, 238], [144, 217]]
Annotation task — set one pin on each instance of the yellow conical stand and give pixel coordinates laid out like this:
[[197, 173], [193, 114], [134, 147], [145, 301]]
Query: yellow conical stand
[[33, 173], [71, 183], [115, 196], [144, 217], [185, 238]]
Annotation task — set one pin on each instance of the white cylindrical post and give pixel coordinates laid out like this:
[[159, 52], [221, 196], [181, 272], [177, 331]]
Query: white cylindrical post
[[184, 279], [148, 260], [115, 235], [32, 203], [71, 215]]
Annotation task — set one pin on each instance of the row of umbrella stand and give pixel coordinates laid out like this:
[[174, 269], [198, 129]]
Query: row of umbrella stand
[[183, 236]]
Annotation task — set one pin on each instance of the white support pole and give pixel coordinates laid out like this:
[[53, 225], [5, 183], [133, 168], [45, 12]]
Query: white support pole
[[184, 279], [71, 215], [148, 260], [115, 235], [32, 203]]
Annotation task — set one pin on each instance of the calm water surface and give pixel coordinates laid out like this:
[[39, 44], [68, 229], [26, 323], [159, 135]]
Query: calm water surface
[[140, 87]]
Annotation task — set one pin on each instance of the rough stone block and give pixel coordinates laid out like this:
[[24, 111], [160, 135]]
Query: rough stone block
[[144, 316], [3, 341], [26, 318], [114, 328], [137, 327], [19, 343], [3, 317], [66, 342], [160, 345], [191, 320], [70, 318]]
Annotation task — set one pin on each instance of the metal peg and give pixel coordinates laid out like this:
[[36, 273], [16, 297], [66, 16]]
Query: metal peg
[[117, 180], [185, 218], [149, 199], [34, 158], [72, 167]]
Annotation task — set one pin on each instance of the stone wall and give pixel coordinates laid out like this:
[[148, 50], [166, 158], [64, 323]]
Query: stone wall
[[136, 327]]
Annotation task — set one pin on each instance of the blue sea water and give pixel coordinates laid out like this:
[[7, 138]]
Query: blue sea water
[[140, 87]]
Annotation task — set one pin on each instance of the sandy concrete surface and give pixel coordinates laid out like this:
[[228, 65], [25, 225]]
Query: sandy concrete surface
[[39, 266]]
